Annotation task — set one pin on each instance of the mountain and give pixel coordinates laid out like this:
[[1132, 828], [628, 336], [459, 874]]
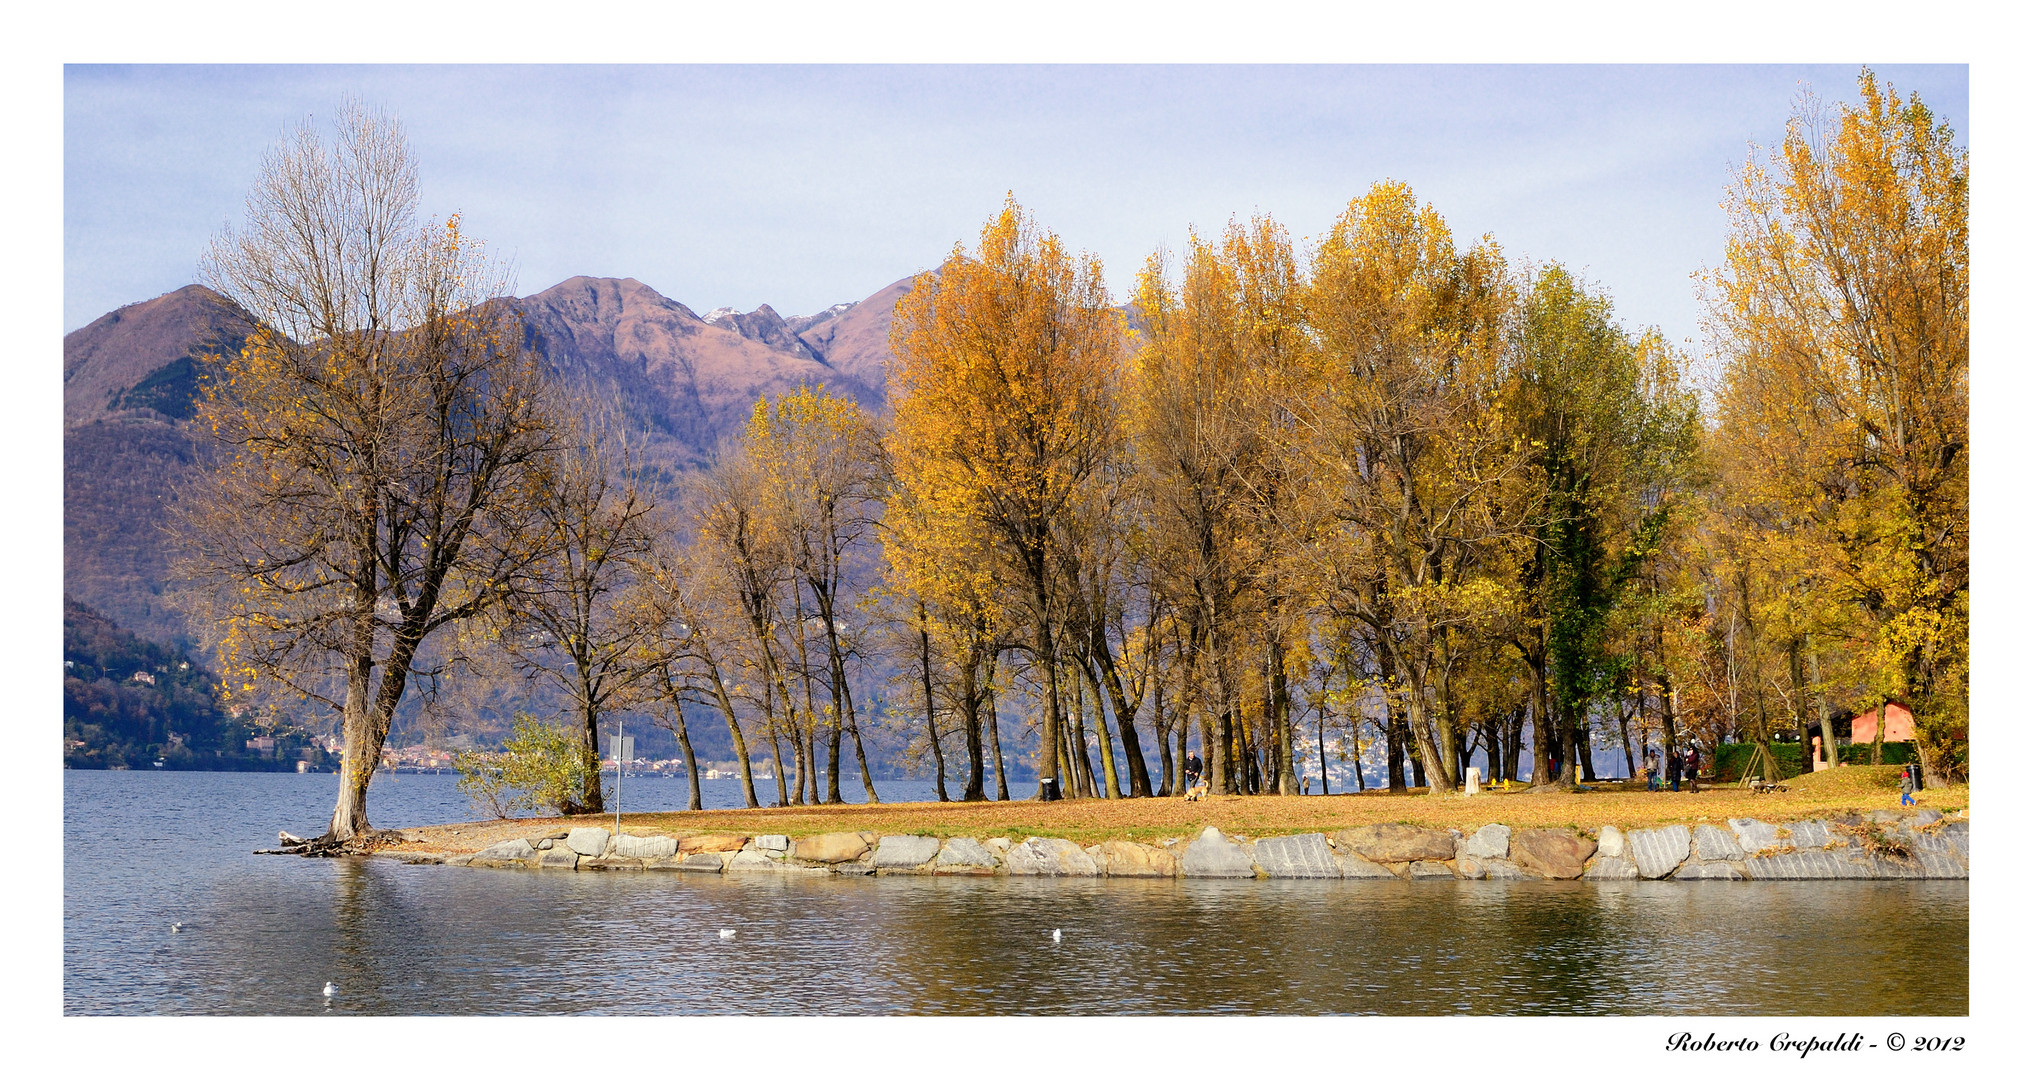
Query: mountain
[[130, 380], [145, 355]]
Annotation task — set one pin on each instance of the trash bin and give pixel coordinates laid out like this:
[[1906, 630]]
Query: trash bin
[[1048, 788]]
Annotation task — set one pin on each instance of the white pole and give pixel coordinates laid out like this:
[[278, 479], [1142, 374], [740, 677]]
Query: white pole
[[618, 766]]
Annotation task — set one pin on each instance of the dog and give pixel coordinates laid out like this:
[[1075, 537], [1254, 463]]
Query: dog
[[1196, 793]]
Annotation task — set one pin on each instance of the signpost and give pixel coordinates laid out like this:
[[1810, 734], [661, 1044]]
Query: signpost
[[623, 747]]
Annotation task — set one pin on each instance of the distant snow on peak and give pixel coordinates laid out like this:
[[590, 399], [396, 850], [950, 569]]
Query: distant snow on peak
[[719, 313]]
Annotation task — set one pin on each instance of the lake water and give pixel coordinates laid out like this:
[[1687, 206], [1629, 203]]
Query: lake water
[[262, 934]]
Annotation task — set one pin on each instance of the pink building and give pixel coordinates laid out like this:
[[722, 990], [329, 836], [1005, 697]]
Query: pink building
[[1863, 727]]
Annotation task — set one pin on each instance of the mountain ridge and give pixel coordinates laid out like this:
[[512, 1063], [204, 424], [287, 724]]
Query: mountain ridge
[[130, 378]]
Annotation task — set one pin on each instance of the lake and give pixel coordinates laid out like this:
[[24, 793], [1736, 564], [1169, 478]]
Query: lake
[[262, 934]]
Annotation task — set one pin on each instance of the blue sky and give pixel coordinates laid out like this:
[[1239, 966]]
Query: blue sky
[[804, 186]]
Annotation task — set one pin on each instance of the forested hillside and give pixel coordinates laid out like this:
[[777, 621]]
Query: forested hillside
[[129, 703]]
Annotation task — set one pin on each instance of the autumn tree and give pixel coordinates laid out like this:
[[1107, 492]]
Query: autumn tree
[[586, 618], [1414, 452], [817, 454], [381, 438], [1002, 384], [1216, 451], [1841, 318]]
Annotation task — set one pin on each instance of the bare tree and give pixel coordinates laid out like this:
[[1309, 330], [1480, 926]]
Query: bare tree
[[381, 436], [583, 622]]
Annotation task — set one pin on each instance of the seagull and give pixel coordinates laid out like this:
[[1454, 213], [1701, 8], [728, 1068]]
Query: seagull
[[330, 989], [176, 928], [1055, 935], [726, 935]]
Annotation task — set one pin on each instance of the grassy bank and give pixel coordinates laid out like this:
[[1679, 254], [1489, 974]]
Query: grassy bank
[[1848, 790]]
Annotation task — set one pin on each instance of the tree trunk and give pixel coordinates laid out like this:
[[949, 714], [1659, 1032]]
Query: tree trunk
[[1542, 726], [1281, 703], [694, 801], [1320, 732], [1111, 787], [1828, 747], [1159, 728], [726, 704], [1394, 748], [1125, 719], [995, 742], [1049, 786], [358, 759], [970, 722], [931, 712], [1878, 738]]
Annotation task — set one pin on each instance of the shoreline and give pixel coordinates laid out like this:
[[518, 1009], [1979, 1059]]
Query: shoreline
[[1878, 844]]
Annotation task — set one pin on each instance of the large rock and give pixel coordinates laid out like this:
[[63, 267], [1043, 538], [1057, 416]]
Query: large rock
[[755, 861], [837, 847], [1428, 869], [1814, 836], [711, 862], [1488, 842], [1552, 853], [965, 855], [1212, 855], [644, 847], [1659, 852], [773, 842], [1355, 866], [1922, 818], [1809, 865], [1397, 843], [1611, 868], [1302, 856], [1700, 870], [1050, 857], [587, 841], [905, 852], [1754, 836], [692, 844], [1502, 870], [559, 858], [1122, 858], [1933, 864], [1609, 842], [1951, 839], [1715, 845], [507, 851]]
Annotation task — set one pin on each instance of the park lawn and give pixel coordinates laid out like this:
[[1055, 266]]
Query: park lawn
[[1852, 789]]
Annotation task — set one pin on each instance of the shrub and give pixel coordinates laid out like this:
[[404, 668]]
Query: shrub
[[540, 768]]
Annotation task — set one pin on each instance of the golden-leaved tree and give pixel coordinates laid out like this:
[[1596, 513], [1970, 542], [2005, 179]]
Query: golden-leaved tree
[[1841, 315], [1003, 386], [1415, 458], [1215, 450]]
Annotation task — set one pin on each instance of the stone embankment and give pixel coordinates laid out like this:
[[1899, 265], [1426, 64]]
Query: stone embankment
[[1881, 845]]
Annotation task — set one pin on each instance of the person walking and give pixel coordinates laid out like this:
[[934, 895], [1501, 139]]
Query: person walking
[[1693, 769], [1192, 771], [1673, 771], [1906, 787]]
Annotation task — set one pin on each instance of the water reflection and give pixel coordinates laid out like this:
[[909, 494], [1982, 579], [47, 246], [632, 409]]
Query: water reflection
[[264, 934]]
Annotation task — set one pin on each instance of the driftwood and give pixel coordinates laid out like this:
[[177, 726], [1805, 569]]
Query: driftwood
[[328, 846]]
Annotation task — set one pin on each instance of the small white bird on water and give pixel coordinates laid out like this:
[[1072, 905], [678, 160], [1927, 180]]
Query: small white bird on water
[[176, 928], [330, 990], [726, 935], [1055, 935]]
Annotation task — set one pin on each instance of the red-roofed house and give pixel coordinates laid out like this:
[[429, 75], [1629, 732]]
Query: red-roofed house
[[1863, 727]]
